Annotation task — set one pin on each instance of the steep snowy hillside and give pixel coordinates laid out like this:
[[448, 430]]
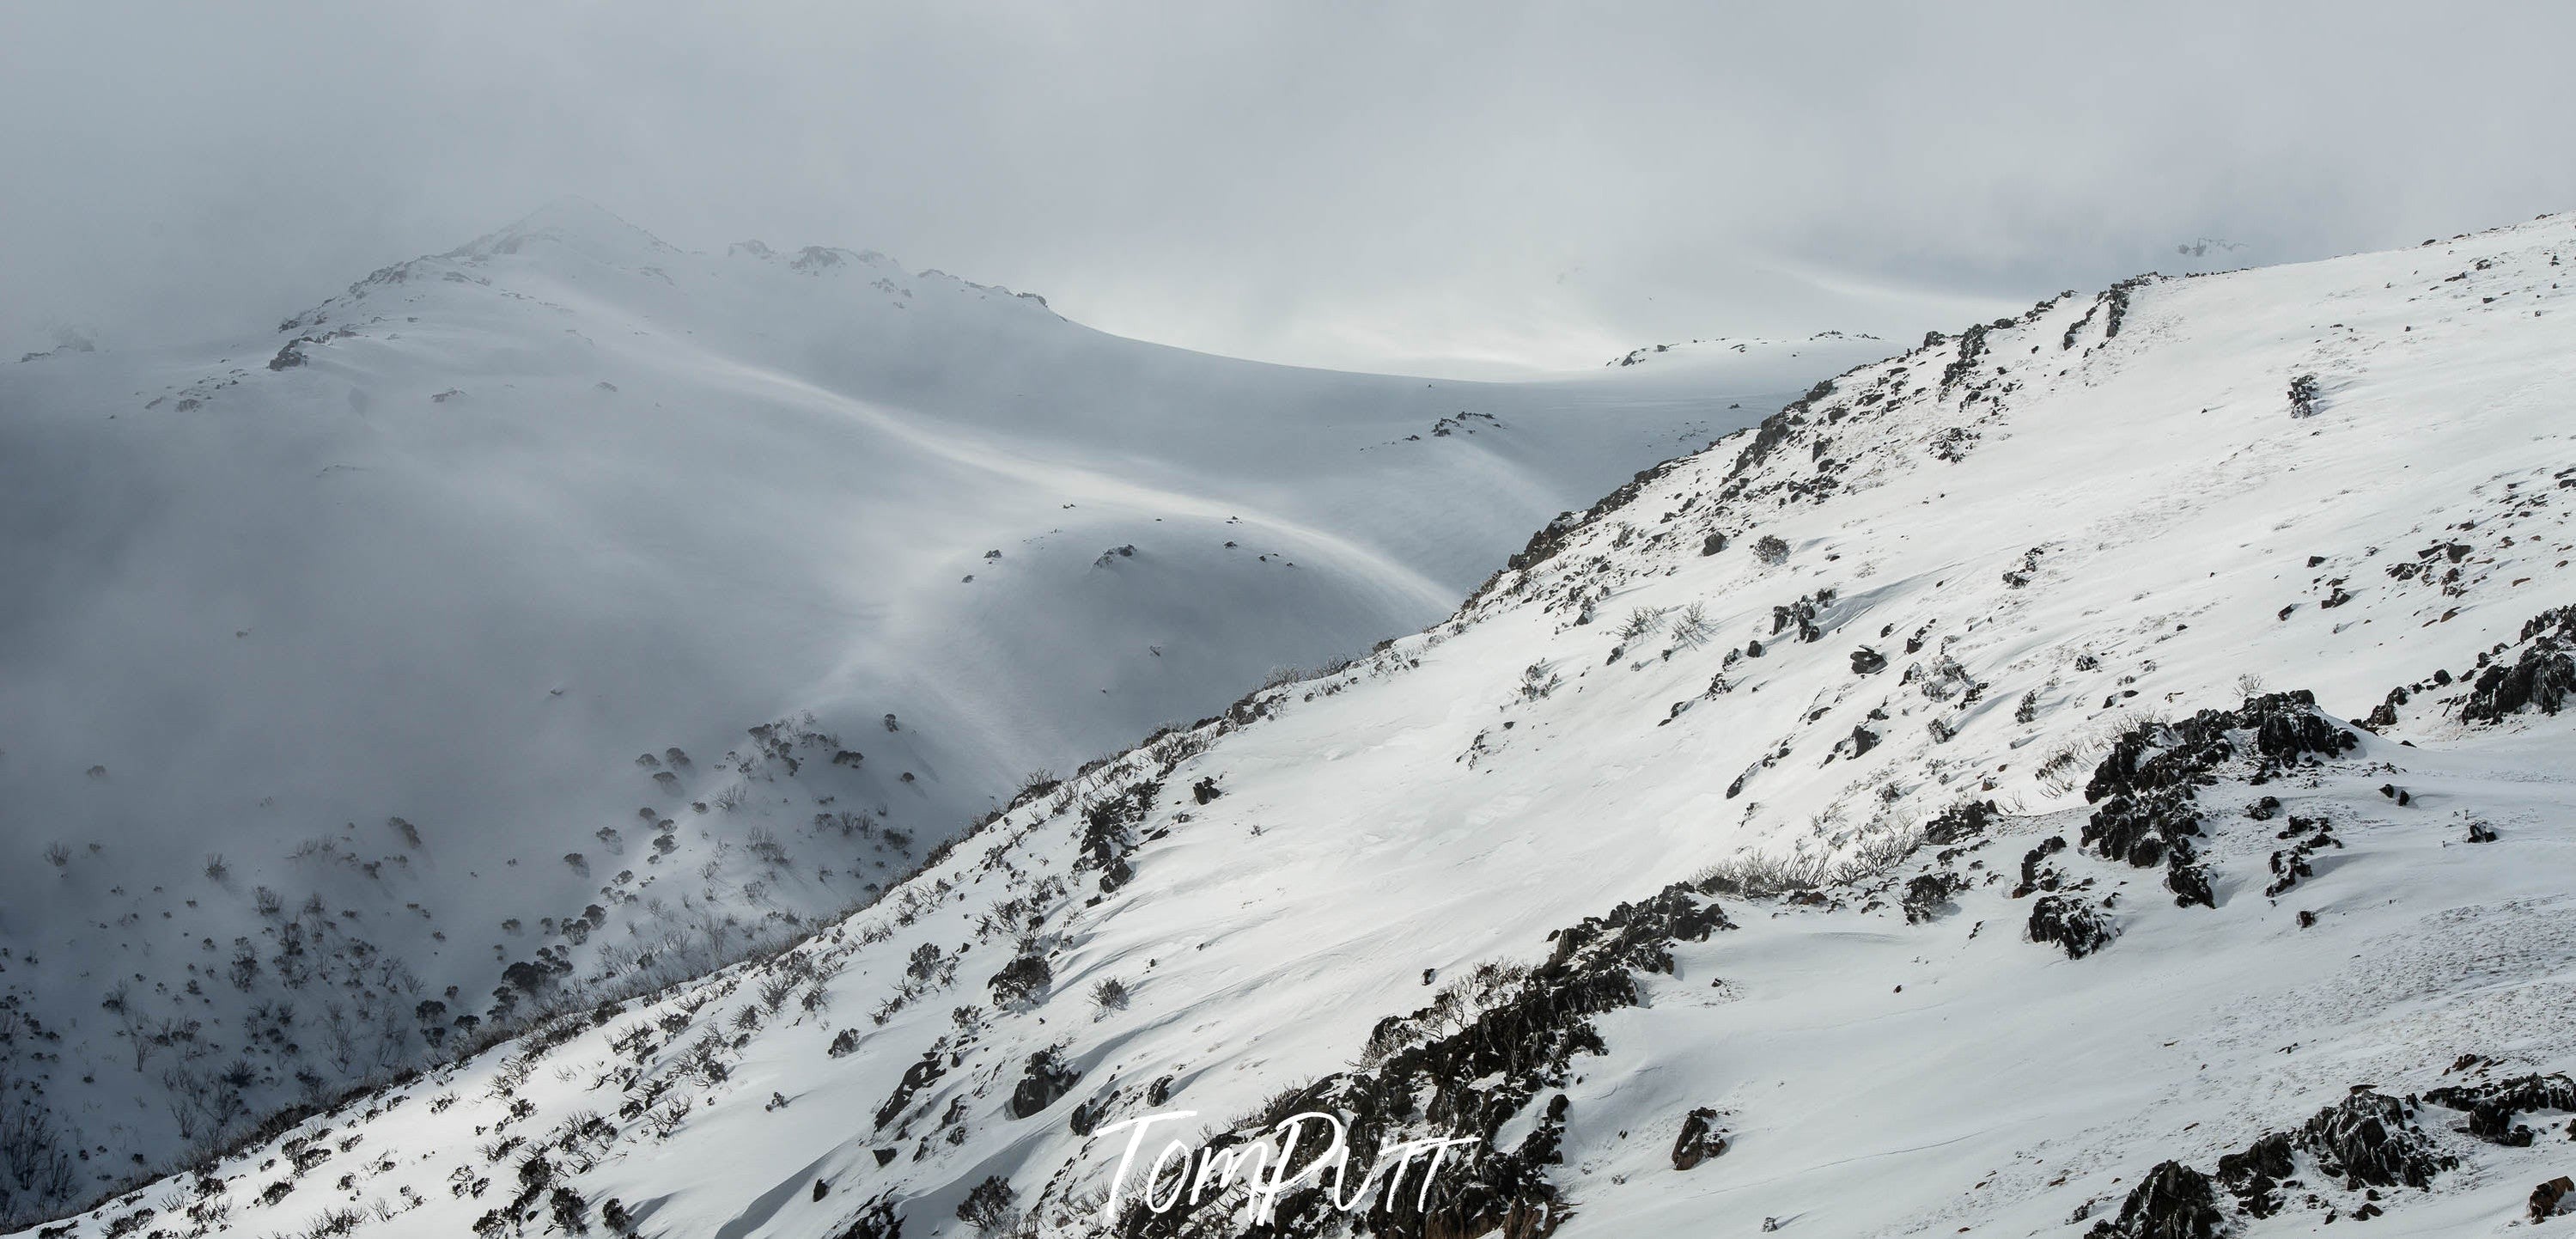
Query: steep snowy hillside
[[2100, 774], [568, 606]]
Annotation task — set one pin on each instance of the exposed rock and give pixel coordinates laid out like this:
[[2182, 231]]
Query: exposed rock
[[1928, 893], [2371, 1138], [2069, 923], [2147, 783], [2493, 1106], [915, 1078], [2546, 1198], [1701, 1139], [1045, 1078], [2541, 679], [2174, 1201]]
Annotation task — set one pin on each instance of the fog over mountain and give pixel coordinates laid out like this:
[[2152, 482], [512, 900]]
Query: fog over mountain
[[1030, 621], [1452, 188]]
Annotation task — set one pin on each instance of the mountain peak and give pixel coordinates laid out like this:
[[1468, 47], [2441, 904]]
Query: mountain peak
[[575, 223]]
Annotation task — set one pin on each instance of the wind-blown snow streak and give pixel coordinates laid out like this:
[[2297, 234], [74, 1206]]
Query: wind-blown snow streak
[[341, 670], [1680, 844]]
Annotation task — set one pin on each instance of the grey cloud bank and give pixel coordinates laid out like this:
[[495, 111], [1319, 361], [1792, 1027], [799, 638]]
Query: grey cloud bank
[[1449, 188]]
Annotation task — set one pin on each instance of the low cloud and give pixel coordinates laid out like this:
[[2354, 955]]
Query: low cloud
[[1437, 186]]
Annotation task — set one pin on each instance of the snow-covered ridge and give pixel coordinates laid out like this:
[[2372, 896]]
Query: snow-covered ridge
[[1715, 863], [570, 608], [1725, 347]]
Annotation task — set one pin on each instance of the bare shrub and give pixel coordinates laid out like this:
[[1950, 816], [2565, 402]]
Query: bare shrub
[[987, 1206], [1690, 626], [1110, 995]]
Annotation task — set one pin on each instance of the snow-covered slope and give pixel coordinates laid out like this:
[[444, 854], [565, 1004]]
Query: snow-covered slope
[[1964, 804], [568, 604]]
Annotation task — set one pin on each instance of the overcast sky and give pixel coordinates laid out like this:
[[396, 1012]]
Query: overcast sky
[[1438, 187]]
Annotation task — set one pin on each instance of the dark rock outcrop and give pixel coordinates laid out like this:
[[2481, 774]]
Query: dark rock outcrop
[[2542, 678], [1045, 1078], [2070, 923], [2174, 1201], [1701, 1139]]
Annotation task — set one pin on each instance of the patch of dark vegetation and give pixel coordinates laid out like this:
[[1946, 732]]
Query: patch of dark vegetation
[[1022, 981], [1108, 826], [1959, 821]]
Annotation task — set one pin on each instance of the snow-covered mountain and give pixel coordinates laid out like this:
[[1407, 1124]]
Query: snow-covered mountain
[[2101, 773], [570, 606]]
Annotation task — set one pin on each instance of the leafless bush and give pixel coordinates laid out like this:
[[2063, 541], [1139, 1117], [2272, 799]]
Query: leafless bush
[[2064, 768], [1032, 785], [662, 1121], [1690, 627], [1756, 875], [987, 1206], [1110, 995], [775, 991], [1539, 679]]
